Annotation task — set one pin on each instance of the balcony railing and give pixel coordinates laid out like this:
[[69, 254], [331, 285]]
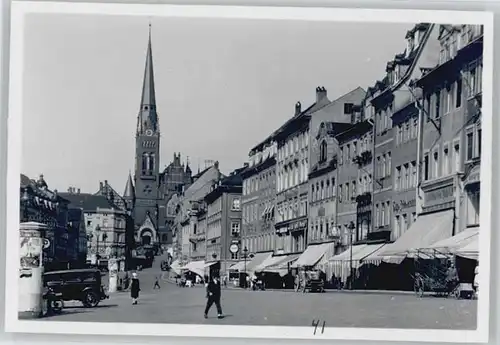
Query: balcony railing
[[364, 199], [197, 237], [363, 158]]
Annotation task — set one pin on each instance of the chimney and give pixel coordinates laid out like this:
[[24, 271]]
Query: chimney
[[105, 182], [298, 108], [78, 191], [216, 165], [100, 186], [69, 190], [320, 93]]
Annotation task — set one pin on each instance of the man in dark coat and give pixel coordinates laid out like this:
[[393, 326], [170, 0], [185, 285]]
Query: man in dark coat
[[134, 288], [213, 296]]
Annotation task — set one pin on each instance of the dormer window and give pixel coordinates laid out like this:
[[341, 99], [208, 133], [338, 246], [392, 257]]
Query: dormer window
[[322, 151]]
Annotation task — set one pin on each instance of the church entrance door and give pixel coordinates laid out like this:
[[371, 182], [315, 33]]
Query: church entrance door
[[146, 237], [146, 240]]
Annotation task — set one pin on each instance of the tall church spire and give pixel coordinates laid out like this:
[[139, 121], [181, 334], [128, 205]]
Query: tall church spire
[[148, 118], [148, 86]]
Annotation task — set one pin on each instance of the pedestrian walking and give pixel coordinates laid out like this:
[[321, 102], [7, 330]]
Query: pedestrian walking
[[213, 296], [134, 288], [157, 283]]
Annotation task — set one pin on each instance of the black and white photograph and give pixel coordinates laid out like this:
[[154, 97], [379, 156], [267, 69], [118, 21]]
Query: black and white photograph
[[316, 174]]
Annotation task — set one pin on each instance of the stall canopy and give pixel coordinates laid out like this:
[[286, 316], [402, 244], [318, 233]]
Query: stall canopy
[[425, 231], [451, 244], [239, 266], [471, 250], [176, 267], [340, 265], [313, 254], [277, 264], [256, 261], [197, 267]]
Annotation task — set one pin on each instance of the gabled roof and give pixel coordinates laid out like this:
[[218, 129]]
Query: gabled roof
[[355, 130], [86, 201]]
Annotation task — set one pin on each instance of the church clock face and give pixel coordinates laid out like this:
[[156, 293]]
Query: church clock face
[[149, 132]]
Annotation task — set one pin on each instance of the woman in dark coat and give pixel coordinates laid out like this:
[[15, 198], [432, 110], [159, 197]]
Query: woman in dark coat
[[134, 288]]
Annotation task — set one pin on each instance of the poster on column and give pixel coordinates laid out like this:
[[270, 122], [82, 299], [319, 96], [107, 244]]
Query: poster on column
[[30, 252]]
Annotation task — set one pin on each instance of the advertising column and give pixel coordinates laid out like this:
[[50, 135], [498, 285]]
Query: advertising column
[[113, 275], [31, 270]]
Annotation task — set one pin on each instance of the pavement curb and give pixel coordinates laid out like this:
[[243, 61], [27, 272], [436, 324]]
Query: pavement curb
[[364, 292]]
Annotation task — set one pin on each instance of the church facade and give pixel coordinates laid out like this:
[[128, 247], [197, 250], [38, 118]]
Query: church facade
[[148, 192]]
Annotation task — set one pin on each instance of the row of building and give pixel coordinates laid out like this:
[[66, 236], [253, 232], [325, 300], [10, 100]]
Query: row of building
[[79, 228], [398, 163]]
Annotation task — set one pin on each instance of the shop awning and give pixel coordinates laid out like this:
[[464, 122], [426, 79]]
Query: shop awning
[[313, 254], [256, 261], [197, 267], [471, 250], [208, 264], [452, 244], [339, 265], [238, 266], [427, 230], [277, 263], [176, 267]]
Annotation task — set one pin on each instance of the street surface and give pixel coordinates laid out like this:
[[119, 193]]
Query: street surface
[[172, 304]]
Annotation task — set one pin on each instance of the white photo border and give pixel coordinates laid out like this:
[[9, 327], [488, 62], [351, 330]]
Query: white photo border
[[21, 8]]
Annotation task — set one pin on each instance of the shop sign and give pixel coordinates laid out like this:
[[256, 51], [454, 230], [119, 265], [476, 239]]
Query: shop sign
[[403, 204], [282, 230], [439, 194]]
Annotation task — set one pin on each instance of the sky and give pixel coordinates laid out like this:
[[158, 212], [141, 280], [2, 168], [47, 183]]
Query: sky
[[222, 86]]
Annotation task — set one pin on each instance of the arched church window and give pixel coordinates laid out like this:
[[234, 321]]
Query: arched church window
[[322, 151]]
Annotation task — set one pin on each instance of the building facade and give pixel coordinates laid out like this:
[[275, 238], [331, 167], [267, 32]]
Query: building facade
[[354, 182], [292, 170], [259, 199], [450, 137], [337, 117], [105, 226], [394, 124], [197, 237], [422, 52], [39, 204], [197, 190], [223, 222]]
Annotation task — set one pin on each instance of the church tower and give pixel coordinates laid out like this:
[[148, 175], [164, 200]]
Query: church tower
[[147, 155]]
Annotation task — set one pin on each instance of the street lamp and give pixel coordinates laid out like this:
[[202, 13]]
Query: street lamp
[[245, 252], [351, 232]]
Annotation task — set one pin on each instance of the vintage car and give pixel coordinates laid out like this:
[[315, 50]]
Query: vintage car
[[309, 281], [82, 285]]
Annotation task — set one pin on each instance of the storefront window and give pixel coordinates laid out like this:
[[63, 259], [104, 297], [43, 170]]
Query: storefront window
[[473, 197]]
